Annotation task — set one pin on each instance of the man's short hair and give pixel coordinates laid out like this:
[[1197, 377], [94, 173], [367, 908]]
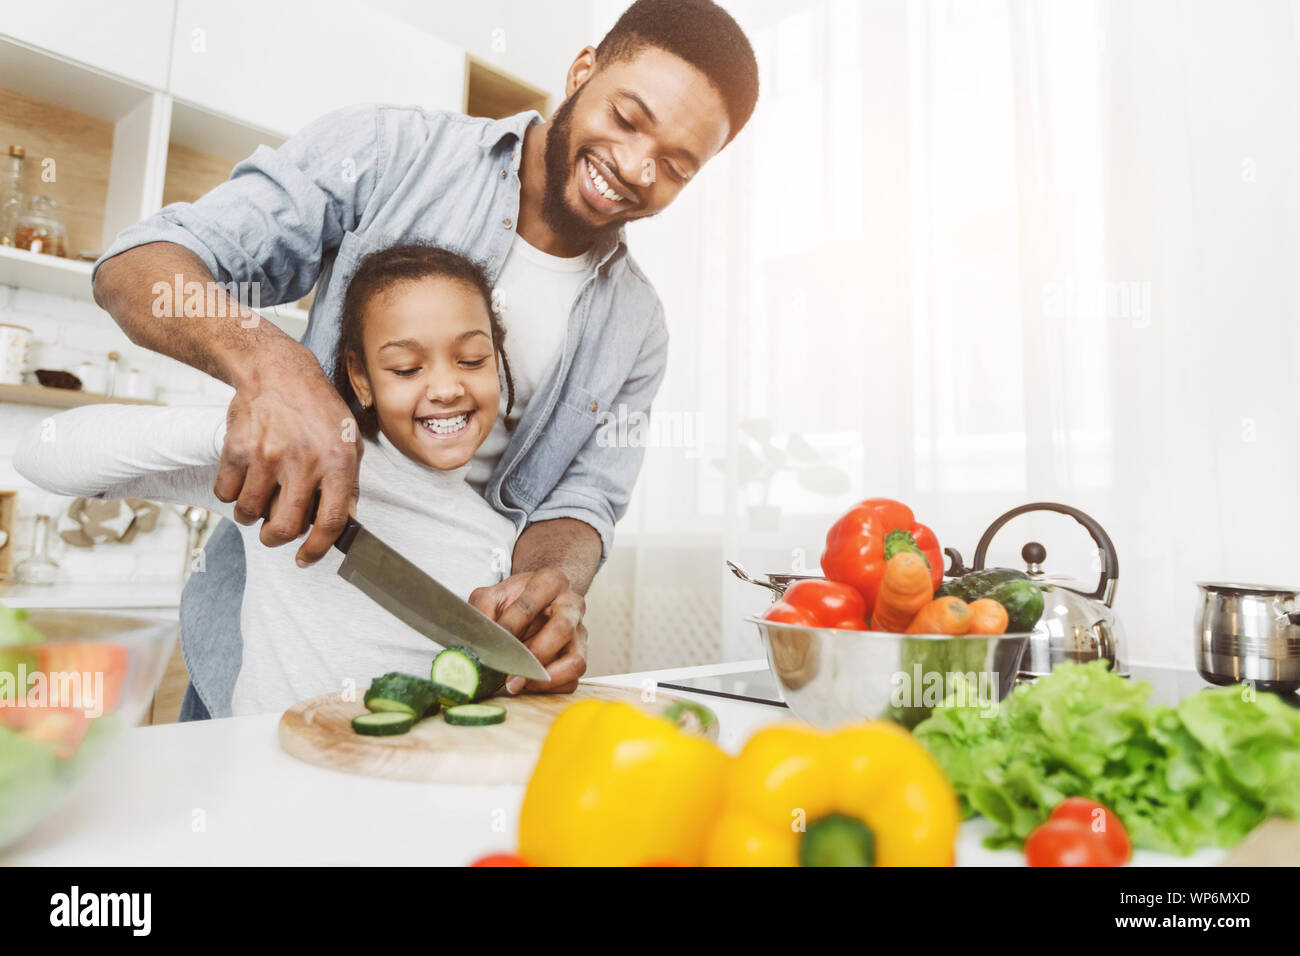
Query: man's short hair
[[701, 33]]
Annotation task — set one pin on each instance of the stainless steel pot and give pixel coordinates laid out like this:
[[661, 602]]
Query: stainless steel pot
[[1249, 632]]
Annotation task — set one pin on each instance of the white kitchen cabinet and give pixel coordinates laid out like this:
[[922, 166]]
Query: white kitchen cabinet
[[280, 65], [132, 39]]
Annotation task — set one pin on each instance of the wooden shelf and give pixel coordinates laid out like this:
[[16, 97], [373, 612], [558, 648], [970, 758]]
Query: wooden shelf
[[494, 93], [41, 273], [62, 397]]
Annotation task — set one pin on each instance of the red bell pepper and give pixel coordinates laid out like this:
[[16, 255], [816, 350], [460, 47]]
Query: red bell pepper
[[867, 536], [816, 603]]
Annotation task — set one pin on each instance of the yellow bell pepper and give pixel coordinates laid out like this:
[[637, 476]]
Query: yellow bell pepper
[[867, 794], [617, 787]]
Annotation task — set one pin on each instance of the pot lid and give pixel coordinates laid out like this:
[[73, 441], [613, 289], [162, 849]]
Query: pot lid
[[1230, 588]]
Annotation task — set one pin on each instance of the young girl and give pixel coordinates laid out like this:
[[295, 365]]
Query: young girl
[[418, 366]]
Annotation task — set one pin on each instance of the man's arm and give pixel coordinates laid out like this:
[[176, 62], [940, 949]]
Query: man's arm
[[270, 224], [568, 544], [570, 536]]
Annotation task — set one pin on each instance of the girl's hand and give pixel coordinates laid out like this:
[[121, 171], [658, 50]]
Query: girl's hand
[[542, 610]]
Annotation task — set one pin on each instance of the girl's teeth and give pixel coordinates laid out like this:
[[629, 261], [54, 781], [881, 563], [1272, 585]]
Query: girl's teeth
[[602, 187], [445, 426]]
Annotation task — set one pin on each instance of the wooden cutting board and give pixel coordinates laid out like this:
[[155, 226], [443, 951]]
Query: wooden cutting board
[[319, 731]]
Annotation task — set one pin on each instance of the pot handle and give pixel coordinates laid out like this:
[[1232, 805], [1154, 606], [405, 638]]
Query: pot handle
[[1109, 559]]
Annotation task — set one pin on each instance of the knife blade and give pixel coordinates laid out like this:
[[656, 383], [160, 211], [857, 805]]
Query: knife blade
[[418, 600]]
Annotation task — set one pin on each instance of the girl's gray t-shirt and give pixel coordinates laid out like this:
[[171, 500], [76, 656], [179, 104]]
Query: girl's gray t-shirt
[[306, 630]]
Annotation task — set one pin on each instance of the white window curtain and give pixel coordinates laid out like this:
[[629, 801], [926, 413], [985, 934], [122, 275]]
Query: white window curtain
[[971, 254]]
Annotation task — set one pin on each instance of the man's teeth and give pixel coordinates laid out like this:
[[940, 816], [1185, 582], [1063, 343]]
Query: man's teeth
[[445, 426], [602, 187]]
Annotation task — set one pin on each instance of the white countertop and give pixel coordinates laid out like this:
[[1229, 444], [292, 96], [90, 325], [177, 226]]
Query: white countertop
[[222, 792], [147, 593]]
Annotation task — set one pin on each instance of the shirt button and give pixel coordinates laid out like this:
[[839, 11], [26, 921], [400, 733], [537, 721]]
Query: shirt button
[[507, 222], [593, 406], [503, 174]]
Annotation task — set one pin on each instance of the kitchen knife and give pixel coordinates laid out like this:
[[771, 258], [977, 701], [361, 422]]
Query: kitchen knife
[[409, 594]]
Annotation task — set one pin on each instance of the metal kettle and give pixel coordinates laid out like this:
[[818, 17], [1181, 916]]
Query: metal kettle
[[1076, 625]]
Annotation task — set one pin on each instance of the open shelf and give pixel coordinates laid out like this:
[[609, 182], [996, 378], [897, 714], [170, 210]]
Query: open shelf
[[62, 397], [88, 138], [69, 155], [203, 147], [494, 93], [202, 150], [42, 273]]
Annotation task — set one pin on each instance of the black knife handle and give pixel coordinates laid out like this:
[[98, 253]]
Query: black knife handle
[[344, 540], [346, 536]]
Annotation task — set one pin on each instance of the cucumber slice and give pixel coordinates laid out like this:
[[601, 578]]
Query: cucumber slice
[[386, 723], [691, 717], [462, 678], [401, 693], [475, 715]]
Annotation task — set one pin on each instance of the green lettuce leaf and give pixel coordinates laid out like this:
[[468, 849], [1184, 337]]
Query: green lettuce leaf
[[1204, 773]]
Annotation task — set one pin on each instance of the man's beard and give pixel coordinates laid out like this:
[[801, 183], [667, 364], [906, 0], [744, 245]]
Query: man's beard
[[556, 213]]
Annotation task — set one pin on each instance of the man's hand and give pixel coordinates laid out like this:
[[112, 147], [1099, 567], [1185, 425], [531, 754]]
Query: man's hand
[[542, 610], [288, 433]]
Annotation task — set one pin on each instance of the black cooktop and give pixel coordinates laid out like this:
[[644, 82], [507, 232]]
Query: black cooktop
[[1168, 685]]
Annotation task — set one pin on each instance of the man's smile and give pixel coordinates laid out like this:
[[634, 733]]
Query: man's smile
[[596, 186]]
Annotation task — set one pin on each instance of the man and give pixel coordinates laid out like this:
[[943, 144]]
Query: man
[[542, 206]]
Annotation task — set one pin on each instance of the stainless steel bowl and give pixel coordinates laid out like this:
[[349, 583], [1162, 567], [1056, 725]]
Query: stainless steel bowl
[[1249, 632], [830, 677]]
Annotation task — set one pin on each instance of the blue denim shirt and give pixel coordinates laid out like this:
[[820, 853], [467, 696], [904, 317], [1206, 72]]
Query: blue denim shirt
[[365, 177]]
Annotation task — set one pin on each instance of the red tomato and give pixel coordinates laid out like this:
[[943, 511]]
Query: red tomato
[[1068, 843], [818, 603], [1100, 820], [501, 859], [784, 613]]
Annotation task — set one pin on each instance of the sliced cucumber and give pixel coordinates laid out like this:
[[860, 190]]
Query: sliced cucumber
[[462, 679], [691, 717], [385, 723], [401, 693], [474, 715]]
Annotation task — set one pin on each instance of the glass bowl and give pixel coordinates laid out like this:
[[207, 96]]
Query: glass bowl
[[70, 683]]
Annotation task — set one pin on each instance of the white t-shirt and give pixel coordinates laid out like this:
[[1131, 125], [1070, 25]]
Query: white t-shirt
[[533, 295]]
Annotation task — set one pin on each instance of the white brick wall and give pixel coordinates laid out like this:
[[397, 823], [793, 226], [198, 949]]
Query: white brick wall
[[66, 332]]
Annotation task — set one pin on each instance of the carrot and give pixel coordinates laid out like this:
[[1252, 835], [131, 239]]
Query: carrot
[[905, 589], [987, 616], [945, 615]]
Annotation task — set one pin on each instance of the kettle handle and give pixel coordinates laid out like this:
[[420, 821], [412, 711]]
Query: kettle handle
[[1109, 559]]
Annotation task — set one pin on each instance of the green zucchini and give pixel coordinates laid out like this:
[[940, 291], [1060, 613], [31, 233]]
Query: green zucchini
[[978, 584], [474, 715], [461, 678], [1024, 603], [385, 723], [1014, 590], [402, 694]]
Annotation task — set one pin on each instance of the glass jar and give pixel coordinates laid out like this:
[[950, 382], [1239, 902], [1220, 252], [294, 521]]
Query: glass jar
[[41, 230], [39, 568], [13, 199]]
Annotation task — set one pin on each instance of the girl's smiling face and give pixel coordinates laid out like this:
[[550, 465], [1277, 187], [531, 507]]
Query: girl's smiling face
[[430, 369]]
